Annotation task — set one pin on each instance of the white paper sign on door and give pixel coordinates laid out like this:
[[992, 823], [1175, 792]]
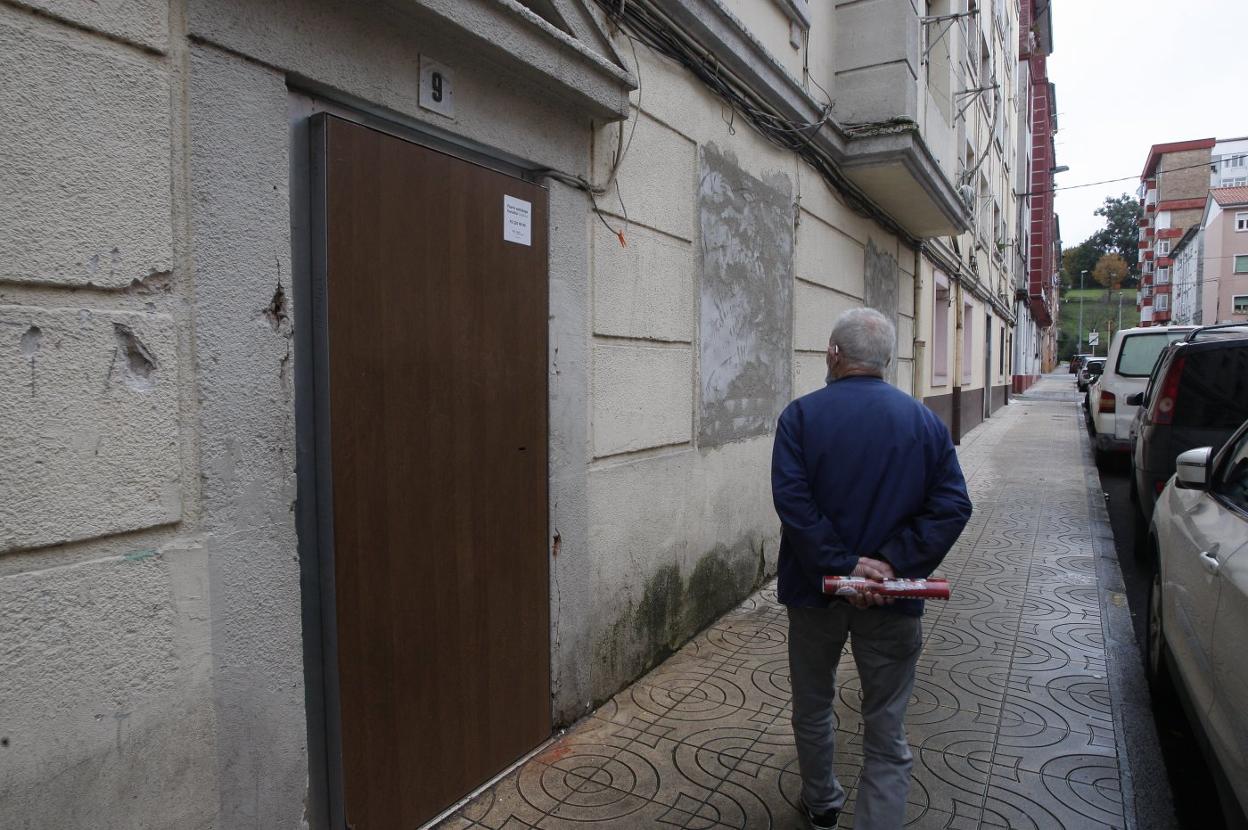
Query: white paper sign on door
[[517, 221]]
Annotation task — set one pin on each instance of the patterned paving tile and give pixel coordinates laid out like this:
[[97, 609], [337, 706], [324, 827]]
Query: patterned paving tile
[[1010, 722]]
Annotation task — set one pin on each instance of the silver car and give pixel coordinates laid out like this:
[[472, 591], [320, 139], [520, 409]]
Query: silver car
[[1198, 606]]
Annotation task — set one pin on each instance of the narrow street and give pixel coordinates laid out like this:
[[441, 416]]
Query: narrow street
[[1029, 711]]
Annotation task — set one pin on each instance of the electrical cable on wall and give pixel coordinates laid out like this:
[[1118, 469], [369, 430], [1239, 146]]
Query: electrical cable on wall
[[662, 37]]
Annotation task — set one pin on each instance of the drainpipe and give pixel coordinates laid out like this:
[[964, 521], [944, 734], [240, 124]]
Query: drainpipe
[[920, 344], [958, 349]]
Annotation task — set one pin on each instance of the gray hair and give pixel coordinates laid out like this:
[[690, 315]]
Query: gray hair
[[865, 338]]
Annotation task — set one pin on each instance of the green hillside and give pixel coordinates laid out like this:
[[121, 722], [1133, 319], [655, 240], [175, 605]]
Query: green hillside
[[1099, 313]]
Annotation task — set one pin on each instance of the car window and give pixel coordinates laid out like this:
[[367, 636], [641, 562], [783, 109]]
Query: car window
[[1213, 391], [1152, 378], [1232, 479], [1140, 351], [1096, 367]]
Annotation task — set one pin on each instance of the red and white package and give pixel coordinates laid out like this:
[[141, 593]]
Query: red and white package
[[843, 586]]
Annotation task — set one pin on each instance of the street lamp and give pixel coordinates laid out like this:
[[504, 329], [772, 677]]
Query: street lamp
[[1079, 344]]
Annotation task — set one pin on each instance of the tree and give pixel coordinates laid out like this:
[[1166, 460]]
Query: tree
[[1121, 233], [1082, 257], [1111, 269]]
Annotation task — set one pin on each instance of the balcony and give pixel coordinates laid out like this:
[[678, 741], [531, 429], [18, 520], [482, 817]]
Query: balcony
[[876, 141]]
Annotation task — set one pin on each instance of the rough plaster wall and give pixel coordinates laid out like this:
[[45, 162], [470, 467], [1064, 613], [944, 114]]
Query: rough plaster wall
[[493, 107], [678, 539], [105, 686], [881, 290], [104, 694], [141, 22], [745, 299], [84, 157], [241, 215], [571, 566], [88, 424]]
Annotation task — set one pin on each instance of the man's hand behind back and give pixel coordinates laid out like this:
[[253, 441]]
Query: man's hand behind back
[[876, 569]]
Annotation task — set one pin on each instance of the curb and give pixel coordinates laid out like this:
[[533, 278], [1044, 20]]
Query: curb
[[1147, 802]]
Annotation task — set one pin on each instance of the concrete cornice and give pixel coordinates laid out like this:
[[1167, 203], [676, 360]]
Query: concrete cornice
[[718, 31], [595, 81]]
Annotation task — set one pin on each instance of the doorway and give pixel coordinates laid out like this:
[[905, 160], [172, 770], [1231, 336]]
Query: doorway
[[429, 328]]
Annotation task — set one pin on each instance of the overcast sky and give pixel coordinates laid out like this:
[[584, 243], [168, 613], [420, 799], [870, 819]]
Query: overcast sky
[[1134, 73]]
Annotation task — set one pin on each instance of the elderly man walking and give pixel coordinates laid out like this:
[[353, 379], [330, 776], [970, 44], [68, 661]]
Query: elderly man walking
[[866, 483]]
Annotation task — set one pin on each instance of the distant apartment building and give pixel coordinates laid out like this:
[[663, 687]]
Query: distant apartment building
[[1174, 190], [1037, 255], [1223, 287], [1185, 279]]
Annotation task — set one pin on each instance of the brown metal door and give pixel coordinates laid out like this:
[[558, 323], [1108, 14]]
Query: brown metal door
[[436, 331]]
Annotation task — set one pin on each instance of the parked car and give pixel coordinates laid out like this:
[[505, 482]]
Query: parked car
[[1197, 396], [1092, 368], [1198, 607], [1131, 358], [1076, 363]]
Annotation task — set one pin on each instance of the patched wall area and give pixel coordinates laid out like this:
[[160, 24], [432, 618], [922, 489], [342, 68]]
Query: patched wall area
[[745, 299], [881, 291]]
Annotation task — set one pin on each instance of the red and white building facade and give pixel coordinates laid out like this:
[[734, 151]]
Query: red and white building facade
[[1174, 187], [1036, 294]]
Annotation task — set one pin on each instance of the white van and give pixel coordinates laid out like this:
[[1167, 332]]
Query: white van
[[1130, 361]]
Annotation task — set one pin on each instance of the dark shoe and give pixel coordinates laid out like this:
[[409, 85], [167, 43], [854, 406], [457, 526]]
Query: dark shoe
[[820, 821]]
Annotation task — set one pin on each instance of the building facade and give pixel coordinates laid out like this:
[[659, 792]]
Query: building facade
[[1174, 190], [1223, 283], [389, 363], [1186, 279], [1037, 254]]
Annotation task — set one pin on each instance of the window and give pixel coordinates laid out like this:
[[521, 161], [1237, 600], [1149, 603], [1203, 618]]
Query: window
[[1001, 354], [1139, 352], [1161, 302], [1241, 263], [1163, 276], [1241, 221], [1233, 161], [1163, 247], [940, 332], [968, 343], [1239, 304], [1238, 181], [1213, 390]]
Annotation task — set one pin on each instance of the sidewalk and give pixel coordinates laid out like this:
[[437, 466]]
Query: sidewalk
[[1011, 722]]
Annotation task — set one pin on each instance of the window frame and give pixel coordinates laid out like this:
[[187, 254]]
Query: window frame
[[940, 329], [968, 344], [1236, 298], [1241, 221], [1239, 259]]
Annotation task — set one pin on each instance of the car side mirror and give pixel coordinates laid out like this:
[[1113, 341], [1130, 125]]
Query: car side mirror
[[1191, 469], [1135, 400]]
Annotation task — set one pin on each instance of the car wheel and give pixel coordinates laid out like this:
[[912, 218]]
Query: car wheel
[[1155, 656]]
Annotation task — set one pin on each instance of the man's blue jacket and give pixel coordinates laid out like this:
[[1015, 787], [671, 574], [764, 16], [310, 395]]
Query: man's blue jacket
[[860, 468]]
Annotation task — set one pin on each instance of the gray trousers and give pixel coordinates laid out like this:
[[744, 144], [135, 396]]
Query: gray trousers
[[886, 648]]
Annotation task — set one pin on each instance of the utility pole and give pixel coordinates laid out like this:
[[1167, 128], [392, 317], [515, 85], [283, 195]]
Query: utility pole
[[1079, 343]]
